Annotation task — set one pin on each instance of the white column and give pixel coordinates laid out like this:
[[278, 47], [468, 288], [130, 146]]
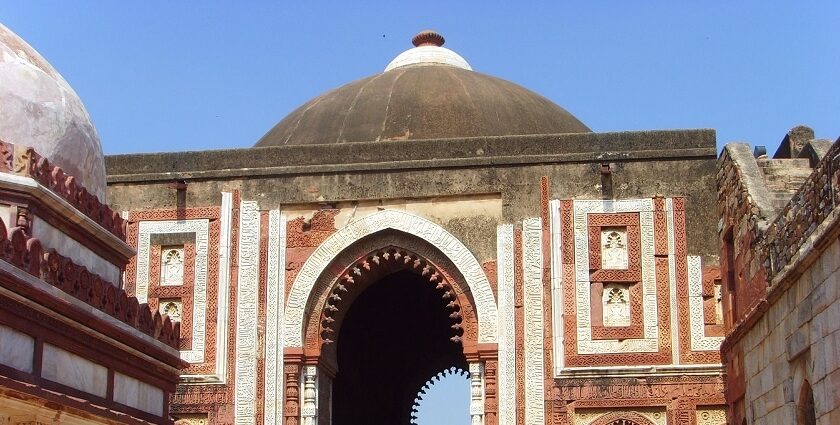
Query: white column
[[309, 409], [477, 393]]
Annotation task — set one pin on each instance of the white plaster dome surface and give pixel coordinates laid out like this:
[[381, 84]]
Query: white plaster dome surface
[[428, 55], [38, 108]]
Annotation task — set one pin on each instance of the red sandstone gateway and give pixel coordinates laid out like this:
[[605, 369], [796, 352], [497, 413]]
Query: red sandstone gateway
[[426, 221]]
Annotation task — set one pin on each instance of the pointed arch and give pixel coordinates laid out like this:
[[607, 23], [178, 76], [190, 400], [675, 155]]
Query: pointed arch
[[806, 413], [401, 221]]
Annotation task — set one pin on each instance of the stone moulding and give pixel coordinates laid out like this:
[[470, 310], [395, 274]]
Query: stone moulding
[[57, 212], [461, 257], [414, 154]]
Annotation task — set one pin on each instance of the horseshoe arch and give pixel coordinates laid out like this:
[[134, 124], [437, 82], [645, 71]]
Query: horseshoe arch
[[451, 247]]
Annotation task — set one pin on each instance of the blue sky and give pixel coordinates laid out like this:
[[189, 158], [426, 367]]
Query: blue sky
[[189, 75]]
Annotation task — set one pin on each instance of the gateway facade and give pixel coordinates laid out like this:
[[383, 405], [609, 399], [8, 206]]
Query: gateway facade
[[432, 219]]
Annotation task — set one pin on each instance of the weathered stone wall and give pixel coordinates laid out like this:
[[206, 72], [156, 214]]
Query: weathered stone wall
[[779, 270], [643, 164], [744, 207], [797, 339]]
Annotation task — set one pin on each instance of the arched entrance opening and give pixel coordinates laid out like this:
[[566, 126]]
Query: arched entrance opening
[[379, 308], [395, 336]]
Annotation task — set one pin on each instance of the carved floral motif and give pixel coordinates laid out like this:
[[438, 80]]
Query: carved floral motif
[[172, 269]]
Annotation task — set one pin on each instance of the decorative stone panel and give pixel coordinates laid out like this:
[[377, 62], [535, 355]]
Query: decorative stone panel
[[586, 229], [172, 266], [652, 416], [201, 228], [206, 279], [172, 307], [694, 345], [616, 305], [614, 248], [197, 419], [711, 415]]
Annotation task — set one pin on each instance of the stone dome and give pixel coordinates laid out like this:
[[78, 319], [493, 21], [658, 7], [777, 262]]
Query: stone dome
[[39, 109], [427, 92]]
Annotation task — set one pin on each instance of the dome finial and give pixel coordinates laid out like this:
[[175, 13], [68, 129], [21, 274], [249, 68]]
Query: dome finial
[[428, 38]]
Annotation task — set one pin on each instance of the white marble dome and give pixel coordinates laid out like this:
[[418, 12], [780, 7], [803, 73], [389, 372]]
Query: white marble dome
[[428, 50], [38, 108]]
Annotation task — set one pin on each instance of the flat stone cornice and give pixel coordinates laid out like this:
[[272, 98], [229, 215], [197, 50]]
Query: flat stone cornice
[[413, 155]]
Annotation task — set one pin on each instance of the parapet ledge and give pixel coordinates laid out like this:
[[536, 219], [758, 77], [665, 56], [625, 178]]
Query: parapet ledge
[[815, 150], [752, 180]]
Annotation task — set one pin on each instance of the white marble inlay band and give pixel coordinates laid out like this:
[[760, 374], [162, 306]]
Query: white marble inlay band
[[506, 373], [223, 289], [275, 287], [555, 254], [199, 320], [248, 285], [532, 264], [699, 340], [432, 233]]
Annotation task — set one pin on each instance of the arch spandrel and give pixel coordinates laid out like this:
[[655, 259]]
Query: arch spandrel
[[317, 264], [367, 261], [623, 418]]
